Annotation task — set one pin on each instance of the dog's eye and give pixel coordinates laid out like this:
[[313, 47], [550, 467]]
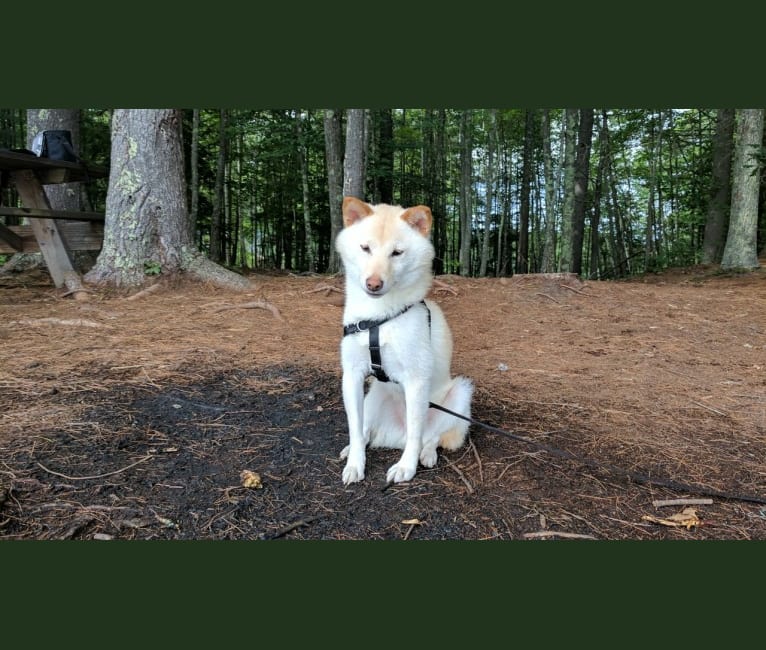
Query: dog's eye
[[396, 253], [365, 248]]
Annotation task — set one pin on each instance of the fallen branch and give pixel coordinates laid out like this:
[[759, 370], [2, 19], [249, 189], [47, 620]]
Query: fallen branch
[[545, 295], [556, 533], [258, 304], [74, 322], [88, 478]]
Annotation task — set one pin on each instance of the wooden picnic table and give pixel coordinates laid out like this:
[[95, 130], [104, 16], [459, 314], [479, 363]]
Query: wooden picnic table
[[55, 233]]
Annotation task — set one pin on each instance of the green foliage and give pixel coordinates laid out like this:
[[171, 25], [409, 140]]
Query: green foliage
[[152, 268]]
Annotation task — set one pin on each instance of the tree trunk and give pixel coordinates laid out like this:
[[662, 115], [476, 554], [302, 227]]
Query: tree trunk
[[489, 182], [595, 220], [466, 191], [650, 239], [217, 251], [433, 180], [582, 172], [304, 165], [549, 247], [567, 220], [384, 177], [147, 223], [720, 188], [741, 250], [194, 164], [333, 147], [354, 159], [522, 247]]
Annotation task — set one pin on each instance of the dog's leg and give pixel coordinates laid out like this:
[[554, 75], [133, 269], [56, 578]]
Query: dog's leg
[[353, 401], [416, 398]]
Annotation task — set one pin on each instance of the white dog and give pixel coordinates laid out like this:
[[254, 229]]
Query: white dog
[[391, 331]]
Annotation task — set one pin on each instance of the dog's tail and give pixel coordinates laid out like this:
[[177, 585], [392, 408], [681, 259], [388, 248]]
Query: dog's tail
[[456, 398]]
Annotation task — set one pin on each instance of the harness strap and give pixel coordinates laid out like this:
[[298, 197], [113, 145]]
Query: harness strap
[[364, 325], [375, 360], [372, 326]]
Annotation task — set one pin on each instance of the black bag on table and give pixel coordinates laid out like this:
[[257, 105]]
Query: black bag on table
[[55, 144]]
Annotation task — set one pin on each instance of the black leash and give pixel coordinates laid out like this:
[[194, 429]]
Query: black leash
[[633, 476]]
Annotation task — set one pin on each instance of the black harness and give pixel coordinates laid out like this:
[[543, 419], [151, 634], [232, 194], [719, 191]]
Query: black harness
[[372, 326]]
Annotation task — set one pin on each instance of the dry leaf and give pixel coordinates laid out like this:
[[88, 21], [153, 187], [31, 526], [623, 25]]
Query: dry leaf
[[686, 518], [250, 479]]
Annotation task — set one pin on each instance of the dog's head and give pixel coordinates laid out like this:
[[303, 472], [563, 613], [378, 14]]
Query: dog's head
[[385, 246]]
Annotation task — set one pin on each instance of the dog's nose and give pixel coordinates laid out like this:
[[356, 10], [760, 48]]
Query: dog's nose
[[374, 283]]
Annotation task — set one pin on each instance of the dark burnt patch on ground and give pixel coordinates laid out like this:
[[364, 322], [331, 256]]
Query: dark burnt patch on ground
[[167, 462]]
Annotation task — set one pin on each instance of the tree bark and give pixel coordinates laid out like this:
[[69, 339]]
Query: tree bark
[[147, 225], [522, 247], [194, 164], [304, 165], [595, 220], [354, 159], [333, 147], [582, 173], [740, 251], [489, 182], [217, 249], [549, 247], [720, 188], [385, 167], [567, 220], [466, 191]]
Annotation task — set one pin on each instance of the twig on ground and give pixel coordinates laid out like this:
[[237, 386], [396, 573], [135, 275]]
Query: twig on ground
[[144, 292], [462, 477], [258, 304], [478, 460], [88, 478], [288, 529], [545, 295], [582, 293], [556, 533], [659, 503], [710, 408], [75, 291], [327, 288]]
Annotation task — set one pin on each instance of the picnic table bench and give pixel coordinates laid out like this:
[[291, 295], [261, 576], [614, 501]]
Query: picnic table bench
[[54, 233]]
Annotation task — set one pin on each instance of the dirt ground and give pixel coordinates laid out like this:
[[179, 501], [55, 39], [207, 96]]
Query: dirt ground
[[193, 413]]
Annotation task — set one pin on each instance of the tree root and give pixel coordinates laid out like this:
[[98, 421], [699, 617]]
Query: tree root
[[258, 304]]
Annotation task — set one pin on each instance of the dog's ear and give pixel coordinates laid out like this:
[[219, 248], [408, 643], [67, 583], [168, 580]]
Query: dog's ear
[[419, 218], [354, 210]]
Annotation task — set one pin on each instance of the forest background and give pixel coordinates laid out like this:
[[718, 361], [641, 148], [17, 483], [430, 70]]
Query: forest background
[[603, 193]]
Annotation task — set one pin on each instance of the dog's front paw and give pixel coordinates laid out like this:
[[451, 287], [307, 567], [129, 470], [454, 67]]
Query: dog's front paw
[[399, 473], [428, 457], [352, 473]]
